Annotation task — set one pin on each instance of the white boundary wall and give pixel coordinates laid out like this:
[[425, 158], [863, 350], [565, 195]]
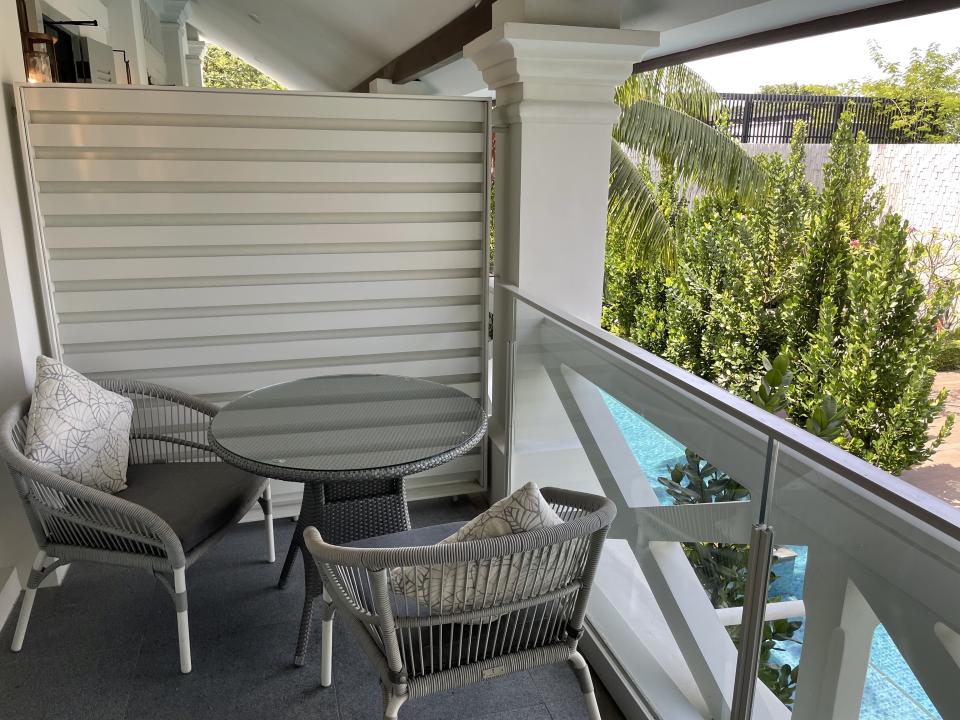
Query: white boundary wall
[[221, 241], [922, 182]]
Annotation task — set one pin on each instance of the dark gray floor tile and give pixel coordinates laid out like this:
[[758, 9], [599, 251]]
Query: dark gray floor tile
[[104, 646], [359, 697], [98, 608], [534, 712], [560, 691], [81, 686]]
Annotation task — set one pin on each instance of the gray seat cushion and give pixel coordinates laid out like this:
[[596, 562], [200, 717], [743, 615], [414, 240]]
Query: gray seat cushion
[[195, 499], [417, 537]]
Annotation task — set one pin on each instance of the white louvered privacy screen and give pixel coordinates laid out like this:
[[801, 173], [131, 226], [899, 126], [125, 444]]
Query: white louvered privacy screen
[[221, 241]]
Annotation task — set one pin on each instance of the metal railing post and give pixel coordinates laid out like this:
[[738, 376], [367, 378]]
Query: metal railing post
[[754, 608], [755, 594]]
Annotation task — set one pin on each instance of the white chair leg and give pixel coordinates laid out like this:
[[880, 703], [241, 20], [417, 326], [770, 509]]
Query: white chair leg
[[393, 706], [183, 624], [25, 609], [267, 503], [582, 672], [326, 641]]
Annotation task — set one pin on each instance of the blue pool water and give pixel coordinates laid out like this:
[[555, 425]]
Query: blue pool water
[[891, 690]]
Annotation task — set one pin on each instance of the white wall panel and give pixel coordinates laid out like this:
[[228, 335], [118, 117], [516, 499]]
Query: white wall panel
[[220, 241]]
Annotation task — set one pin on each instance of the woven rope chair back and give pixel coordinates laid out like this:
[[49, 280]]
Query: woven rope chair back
[[458, 612], [66, 513]]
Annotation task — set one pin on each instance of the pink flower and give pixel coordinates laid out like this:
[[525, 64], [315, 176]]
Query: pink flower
[[854, 243], [912, 229]]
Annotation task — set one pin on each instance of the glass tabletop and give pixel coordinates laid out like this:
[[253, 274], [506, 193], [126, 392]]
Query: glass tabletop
[[349, 423]]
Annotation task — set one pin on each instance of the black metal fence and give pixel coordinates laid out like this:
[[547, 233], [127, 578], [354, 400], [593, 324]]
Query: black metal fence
[[762, 118]]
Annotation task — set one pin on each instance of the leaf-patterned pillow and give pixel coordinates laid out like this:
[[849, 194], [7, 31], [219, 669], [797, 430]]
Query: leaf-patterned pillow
[[78, 429], [456, 588]]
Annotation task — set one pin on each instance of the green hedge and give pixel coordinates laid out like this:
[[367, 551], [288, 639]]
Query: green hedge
[[949, 357]]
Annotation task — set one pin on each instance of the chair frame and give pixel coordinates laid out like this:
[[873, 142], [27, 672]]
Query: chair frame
[[72, 522], [357, 581]]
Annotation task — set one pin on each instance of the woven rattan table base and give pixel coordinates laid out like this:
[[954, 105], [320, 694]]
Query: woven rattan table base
[[342, 512]]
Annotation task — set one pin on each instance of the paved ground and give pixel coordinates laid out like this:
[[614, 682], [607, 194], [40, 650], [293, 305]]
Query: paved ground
[[940, 475], [104, 647]]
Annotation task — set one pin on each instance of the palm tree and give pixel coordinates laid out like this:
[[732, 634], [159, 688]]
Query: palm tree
[[663, 118]]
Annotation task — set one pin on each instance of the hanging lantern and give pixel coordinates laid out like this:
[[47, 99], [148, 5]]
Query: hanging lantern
[[39, 61]]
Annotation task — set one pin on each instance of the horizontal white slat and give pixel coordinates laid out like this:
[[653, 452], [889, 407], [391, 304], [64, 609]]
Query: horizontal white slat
[[166, 267], [242, 171], [197, 235], [169, 298], [227, 103], [470, 388], [287, 496], [464, 463], [276, 203], [289, 418], [443, 486], [208, 138], [192, 327], [227, 381], [117, 360], [218, 340]]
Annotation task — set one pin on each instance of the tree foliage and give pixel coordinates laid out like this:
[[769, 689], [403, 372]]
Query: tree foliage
[[925, 91], [802, 89], [223, 69], [662, 122], [921, 94], [820, 281]]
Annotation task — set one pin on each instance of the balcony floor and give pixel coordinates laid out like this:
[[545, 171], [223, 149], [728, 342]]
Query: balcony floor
[[104, 646]]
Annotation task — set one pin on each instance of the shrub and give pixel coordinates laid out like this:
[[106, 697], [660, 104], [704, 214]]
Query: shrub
[[949, 356], [822, 276]]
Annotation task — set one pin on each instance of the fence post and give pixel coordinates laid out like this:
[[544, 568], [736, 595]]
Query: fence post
[[746, 119], [837, 112]]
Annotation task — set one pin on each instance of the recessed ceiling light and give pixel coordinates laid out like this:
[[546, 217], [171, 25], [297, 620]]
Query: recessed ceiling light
[[254, 17]]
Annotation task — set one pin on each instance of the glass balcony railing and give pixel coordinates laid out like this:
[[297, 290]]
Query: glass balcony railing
[[865, 570]]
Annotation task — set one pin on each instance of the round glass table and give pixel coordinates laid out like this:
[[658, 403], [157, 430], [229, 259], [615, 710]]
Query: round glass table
[[351, 439]]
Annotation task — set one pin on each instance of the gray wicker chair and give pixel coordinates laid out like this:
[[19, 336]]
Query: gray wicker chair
[[512, 603], [173, 510]]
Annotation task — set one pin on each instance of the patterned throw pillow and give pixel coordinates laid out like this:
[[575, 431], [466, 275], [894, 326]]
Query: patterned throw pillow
[[78, 429], [457, 588]]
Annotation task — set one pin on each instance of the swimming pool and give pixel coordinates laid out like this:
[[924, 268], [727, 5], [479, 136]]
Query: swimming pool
[[891, 690]]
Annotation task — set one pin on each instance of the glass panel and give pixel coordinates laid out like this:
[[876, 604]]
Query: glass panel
[[861, 613], [685, 478], [879, 587]]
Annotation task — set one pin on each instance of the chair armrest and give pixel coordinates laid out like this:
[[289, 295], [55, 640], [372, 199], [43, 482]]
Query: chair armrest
[[128, 387], [168, 425], [64, 512]]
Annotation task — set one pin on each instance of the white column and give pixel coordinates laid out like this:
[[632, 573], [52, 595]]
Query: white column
[[126, 33], [175, 52], [555, 112], [555, 88], [194, 61], [19, 320]]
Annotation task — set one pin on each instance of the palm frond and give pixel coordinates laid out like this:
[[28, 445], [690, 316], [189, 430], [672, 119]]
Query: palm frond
[[633, 207], [676, 87], [697, 151]]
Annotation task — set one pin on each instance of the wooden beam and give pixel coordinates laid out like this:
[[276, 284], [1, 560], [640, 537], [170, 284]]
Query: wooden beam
[[832, 23], [448, 41], [445, 43]]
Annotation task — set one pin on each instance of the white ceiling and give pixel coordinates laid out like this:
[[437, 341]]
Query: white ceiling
[[321, 44], [335, 44]]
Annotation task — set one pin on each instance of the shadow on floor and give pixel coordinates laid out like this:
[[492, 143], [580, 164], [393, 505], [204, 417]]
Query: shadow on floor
[[104, 647]]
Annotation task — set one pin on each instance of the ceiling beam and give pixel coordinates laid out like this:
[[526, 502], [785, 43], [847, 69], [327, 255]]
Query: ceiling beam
[[899, 10], [448, 41], [444, 44]]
